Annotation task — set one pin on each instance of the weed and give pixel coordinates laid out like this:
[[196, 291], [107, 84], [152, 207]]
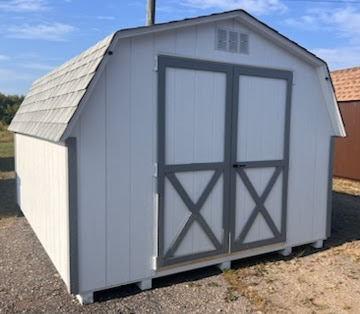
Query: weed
[[213, 284], [193, 284], [230, 296]]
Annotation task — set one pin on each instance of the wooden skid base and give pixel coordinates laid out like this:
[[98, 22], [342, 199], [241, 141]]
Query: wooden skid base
[[145, 284], [318, 244], [86, 298], [286, 252], [223, 266]]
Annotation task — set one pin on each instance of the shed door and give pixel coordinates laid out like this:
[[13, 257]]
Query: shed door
[[194, 158], [223, 151], [260, 156]]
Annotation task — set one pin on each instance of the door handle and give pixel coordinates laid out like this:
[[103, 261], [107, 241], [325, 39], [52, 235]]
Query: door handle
[[239, 165]]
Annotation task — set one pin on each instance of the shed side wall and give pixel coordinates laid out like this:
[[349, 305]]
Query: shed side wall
[[117, 143], [347, 150], [42, 177]]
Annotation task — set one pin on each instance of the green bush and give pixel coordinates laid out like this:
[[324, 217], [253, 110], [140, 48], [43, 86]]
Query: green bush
[[9, 104]]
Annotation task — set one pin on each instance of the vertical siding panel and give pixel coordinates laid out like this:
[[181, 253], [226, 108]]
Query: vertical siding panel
[[302, 159], [92, 209], [142, 115], [40, 168], [119, 162]]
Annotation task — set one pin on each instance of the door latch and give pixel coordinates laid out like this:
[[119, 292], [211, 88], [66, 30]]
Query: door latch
[[239, 165]]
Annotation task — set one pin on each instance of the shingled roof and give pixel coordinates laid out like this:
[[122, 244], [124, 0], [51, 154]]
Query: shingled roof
[[53, 98], [347, 83]]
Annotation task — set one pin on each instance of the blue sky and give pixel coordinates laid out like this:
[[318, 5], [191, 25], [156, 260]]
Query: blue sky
[[38, 35]]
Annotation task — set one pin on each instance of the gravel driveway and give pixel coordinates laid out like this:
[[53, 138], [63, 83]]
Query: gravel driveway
[[29, 283]]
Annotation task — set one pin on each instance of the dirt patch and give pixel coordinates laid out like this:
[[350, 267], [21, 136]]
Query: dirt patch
[[310, 281], [350, 187]]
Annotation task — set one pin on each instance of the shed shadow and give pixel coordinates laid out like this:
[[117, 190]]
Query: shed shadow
[[345, 228], [129, 290], [7, 164], [8, 206]]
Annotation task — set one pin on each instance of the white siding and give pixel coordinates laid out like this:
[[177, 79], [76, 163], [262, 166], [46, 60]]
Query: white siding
[[42, 178], [117, 151]]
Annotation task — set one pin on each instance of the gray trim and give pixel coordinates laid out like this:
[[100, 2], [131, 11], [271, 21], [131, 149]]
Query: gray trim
[[329, 191], [166, 258], [260, 163], [259, 204], [195, 211], [73, 214], [231, 167], [281, 165], [193, 167]]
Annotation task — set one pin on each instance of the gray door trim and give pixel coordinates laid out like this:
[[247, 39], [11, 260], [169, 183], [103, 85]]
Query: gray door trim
[[329, 187], [230, 168], [281, 166], [169, 171], [195, 209], [71, 144], [259, 204]]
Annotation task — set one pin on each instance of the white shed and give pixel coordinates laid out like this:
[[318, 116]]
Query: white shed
[[177, 146]]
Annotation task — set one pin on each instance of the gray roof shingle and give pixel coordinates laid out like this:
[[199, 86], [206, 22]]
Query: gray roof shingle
[[53, 99]]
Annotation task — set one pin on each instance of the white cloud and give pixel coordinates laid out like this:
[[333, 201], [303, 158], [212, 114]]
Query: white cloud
[[4, 58], [343, 21], [339, 58], [109, 18], [53, 32], [344, 24], [24, 5], [253, 6]]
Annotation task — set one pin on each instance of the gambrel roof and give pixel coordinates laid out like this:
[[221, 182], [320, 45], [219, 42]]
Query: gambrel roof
[[55, 100]]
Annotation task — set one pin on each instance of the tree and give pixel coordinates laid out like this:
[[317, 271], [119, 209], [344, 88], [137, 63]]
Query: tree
[[9, 104]]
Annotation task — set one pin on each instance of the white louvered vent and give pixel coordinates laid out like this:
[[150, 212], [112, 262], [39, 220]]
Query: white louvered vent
[[221, 39], [232, 41], [244, 43]]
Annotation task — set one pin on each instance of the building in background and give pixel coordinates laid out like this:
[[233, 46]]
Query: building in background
[[347, 150]]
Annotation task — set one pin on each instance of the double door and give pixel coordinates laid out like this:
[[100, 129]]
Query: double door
[[223, 155]]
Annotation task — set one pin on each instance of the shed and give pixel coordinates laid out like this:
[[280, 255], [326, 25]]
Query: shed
[[176, 146], [347, 150]]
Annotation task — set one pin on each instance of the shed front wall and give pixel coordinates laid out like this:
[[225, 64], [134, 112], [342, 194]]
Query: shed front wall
[[42, 191], [117, 151]]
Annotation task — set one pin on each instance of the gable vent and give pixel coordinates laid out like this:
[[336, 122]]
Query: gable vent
[[232, 41], [222, 39]]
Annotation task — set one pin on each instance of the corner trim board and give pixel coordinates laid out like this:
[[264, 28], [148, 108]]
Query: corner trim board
[[329, 192], [71, 144]]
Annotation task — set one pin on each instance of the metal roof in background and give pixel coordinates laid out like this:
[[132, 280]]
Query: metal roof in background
[[53, 99], [346, 83]]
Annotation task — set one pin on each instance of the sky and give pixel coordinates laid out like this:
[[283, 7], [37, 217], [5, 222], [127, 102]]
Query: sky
[[38, 35]]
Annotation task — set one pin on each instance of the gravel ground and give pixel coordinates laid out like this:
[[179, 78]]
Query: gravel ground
[[311, 280], [29, 283]]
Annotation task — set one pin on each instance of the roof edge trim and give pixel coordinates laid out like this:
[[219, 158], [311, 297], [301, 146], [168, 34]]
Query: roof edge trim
[[331, 102], [89, 90]]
